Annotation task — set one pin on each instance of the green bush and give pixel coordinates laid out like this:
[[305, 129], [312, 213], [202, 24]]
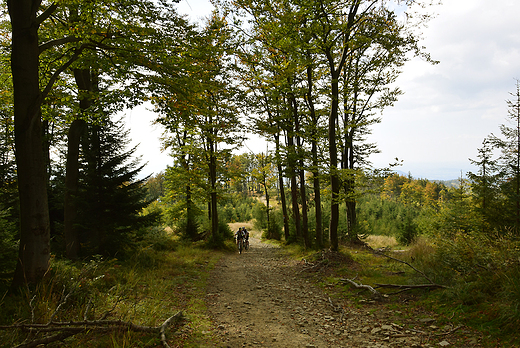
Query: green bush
[[481, 269], [274, 229], [260, 216], [407, 230]]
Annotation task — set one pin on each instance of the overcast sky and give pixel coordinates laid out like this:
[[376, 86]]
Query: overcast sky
[[447, 109]]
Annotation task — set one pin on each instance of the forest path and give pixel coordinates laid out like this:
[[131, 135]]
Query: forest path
[[262, 298]]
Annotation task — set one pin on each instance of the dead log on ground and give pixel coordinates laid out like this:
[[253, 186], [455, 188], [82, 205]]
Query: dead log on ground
[[64, 330]]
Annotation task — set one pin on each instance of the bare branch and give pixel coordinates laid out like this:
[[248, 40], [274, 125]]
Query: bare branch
[[68, 329], [53, 43], [406, 263], [413, 286], [61, 69], [374, 292], [47, 13]]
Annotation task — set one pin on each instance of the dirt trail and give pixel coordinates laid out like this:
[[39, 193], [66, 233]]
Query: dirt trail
[[263, 299]]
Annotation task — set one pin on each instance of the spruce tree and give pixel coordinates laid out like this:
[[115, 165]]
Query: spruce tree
[[110, 197]]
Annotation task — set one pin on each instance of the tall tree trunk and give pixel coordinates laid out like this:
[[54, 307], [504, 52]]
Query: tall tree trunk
[[317, 198], [282, 189], [314, 154], [348, 157], [333, 155], [305, 220], [213, 195], [303, 193], [34, 250], [291, 161], [76, 131], [191, 227]]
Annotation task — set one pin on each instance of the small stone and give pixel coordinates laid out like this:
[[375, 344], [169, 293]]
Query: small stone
[[375, 330], [427, 320], [444, 343]]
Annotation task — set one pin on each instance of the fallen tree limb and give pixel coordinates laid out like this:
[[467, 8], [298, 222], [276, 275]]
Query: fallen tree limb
[[67, 329], [177, 317], [46, 340], [374, 292], [410, 286], [406, 263]]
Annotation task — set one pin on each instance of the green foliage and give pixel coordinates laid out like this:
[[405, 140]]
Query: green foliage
[[134, 290], [481, 269], [8, 242], [110, 192], [407, 229], [274, 228], [157, 238], [237, 207], [224, 234], [384, 217], [260, 216]]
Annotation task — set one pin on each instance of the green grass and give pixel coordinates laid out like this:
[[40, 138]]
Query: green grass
[[145, 290]]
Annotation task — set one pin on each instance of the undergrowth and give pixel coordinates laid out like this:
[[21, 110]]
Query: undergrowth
[[481, 275], [146, 289]]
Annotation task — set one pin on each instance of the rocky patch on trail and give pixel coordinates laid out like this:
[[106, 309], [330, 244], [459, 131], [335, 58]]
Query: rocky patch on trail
[[264, 299]]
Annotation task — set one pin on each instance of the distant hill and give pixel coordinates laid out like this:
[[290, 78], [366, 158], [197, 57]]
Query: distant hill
[[449, 183]]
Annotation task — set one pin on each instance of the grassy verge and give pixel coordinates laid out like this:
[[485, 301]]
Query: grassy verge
[[145, 290], [473, 303]]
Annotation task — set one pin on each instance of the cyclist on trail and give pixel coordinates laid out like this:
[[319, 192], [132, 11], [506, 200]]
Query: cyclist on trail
[[246, 237], [239, 235]]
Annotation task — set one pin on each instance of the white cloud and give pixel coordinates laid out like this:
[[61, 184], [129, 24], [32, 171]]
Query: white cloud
[[449, 108]]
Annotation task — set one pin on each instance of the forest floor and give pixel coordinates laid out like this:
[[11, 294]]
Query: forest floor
[[264, 298]]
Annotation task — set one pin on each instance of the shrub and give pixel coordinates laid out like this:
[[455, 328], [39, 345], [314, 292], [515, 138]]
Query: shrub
[[481, 269], [259, 213]]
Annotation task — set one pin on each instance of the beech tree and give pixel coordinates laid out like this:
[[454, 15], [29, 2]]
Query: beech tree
[[360, 44], [90, 31], [205, 112]]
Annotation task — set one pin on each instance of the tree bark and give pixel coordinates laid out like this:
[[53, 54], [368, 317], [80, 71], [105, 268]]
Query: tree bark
[[291, 160], [282, 189], [34, 250], [76, 131], [333, 155], [77, 128], [213, 195], [314, 155]]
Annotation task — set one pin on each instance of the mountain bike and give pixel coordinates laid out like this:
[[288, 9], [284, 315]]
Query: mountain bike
[[240, 244]]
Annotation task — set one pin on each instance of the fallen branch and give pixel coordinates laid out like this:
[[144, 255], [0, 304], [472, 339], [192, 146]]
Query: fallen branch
[[449, 332], [66, 329], [412, 286], [374, 292], [406, 263], [177, 317]]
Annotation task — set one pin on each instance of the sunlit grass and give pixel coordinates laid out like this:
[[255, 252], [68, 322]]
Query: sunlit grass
[[376, 242]]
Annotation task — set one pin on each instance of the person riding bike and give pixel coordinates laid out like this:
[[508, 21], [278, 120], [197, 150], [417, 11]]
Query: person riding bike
[[246, 238], [239, 235]]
